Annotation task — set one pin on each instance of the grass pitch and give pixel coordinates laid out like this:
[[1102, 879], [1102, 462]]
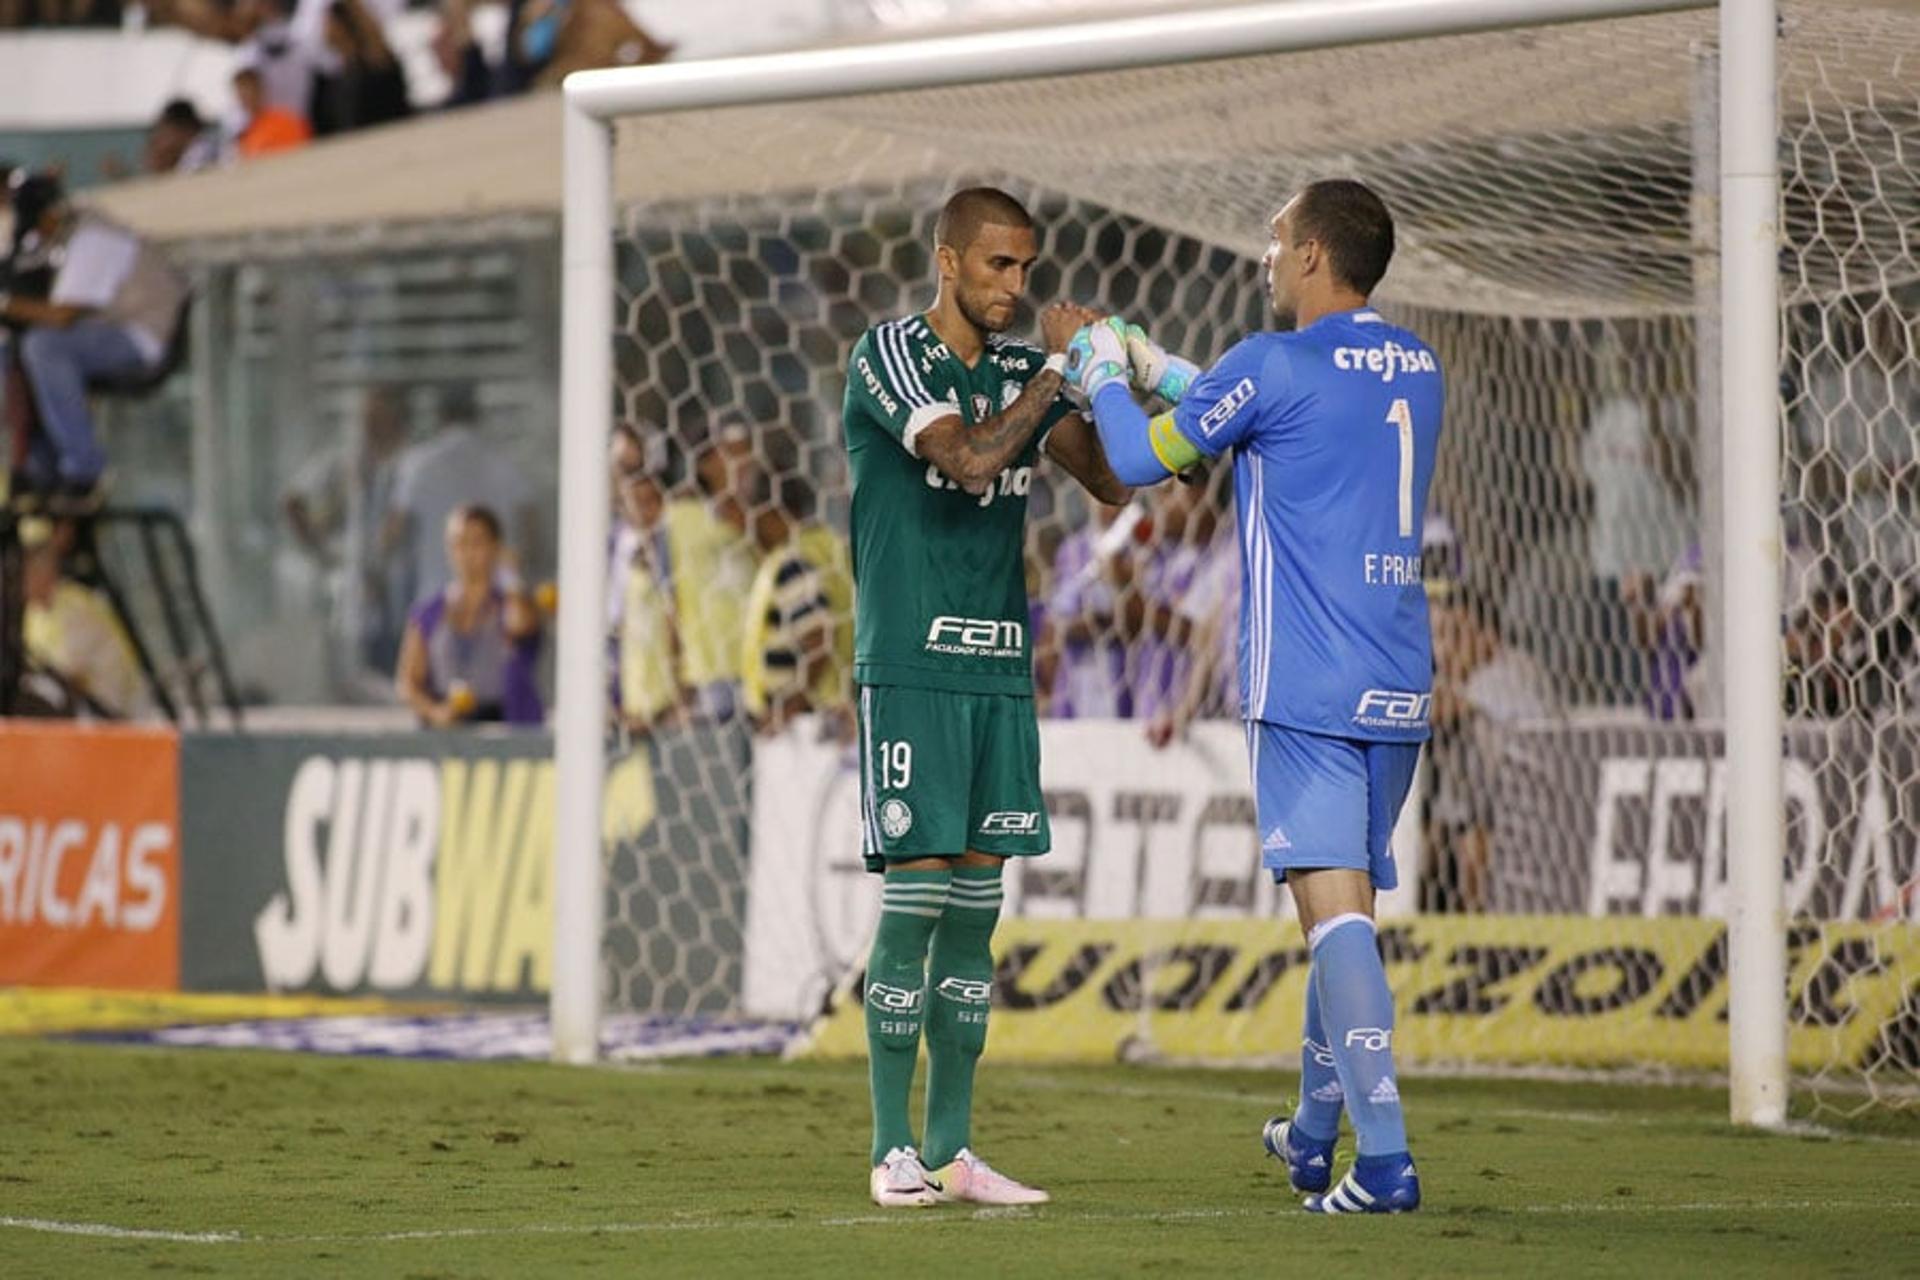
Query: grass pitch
[[121, 1161]]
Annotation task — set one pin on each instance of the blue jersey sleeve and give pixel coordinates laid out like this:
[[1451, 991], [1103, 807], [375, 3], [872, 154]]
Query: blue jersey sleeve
[[1220, 410]]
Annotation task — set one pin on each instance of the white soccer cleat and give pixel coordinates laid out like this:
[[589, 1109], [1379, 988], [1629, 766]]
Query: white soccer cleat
[[971, 1179], [900, 1181]]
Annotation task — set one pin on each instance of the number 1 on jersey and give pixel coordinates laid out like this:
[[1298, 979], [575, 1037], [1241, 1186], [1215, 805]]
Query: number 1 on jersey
[[1401, 415]]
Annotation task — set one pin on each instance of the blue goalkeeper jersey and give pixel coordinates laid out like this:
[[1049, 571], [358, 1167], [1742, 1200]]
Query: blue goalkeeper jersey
[[1333, 430]]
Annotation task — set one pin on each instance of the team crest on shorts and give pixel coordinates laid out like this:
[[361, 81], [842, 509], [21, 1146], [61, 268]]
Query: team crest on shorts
[[896, 818]]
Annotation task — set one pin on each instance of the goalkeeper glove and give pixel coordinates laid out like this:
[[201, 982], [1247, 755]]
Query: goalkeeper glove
[[1156, 370], [1096, 356]]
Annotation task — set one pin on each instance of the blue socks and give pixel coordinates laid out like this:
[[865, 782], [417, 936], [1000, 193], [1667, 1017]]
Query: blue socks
[[1356, 1011], [1318, 1115]]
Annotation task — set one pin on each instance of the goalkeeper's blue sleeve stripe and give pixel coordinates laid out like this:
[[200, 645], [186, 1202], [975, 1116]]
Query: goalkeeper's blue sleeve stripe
[[1140, 451]]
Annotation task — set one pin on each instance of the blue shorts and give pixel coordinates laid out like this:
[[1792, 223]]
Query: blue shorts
[[1328, 802]]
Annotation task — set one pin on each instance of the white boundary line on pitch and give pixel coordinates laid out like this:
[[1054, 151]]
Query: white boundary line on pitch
[[110, 1232], [899, 1219]]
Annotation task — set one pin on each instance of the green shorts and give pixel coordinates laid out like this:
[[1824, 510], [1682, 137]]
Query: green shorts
[[944, 773]]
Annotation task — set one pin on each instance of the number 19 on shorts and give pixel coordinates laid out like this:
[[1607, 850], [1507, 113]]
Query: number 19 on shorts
[[896, 765]]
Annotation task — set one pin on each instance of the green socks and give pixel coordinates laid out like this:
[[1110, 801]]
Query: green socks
[[911, 905], [961, 985]]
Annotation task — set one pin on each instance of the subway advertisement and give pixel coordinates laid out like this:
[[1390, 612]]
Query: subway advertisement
[[413, 865]]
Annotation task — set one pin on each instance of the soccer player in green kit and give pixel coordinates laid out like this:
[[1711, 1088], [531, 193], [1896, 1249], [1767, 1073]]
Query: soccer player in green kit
[[945, 419]]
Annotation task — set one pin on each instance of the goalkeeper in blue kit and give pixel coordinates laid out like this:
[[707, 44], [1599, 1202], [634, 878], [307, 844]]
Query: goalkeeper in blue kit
[[1332, 429]]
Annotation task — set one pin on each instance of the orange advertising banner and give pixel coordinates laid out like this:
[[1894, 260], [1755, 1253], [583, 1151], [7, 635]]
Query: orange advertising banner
[[89, 856]]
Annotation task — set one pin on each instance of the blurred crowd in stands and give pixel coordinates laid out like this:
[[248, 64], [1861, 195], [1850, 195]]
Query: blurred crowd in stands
[[306, 69]]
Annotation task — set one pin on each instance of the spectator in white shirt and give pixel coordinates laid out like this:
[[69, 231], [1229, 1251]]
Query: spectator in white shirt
[[112, 313]]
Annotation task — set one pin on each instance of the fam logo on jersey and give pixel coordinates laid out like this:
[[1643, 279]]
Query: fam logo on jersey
[[1386, 361], [976, 637], [1392, 709], [896, 817], [1226, 408], [982, 408], [1009, 822]]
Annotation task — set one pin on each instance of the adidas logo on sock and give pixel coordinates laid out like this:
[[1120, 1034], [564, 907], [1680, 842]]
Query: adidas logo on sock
[[1330, 1092], [1384, 1092], [1276, 840], [1318, 1162]]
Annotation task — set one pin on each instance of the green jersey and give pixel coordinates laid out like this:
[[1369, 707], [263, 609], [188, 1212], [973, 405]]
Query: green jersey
[[940, 596]]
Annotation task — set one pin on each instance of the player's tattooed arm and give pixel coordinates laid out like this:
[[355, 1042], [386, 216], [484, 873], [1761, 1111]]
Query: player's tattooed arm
[[972, 456], [1075, 445]]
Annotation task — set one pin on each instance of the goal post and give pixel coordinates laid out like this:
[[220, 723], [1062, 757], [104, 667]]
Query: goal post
[[1624, 307], [1750, 469]]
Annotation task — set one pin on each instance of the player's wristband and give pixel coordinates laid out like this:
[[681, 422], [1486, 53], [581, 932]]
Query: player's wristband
[[1056, 363]]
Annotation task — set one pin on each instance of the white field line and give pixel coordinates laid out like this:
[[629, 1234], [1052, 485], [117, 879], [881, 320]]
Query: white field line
[[907, 1219], [110, 1232]]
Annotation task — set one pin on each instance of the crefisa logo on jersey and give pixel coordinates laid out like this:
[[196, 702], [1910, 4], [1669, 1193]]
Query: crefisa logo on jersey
[[877, 389], [1386, 361], [1014, 482], [1392, 709]]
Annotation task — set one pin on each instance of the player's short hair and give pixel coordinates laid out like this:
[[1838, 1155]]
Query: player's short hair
[[968, 210], [481, 514], [182, 114], [1352, 223]]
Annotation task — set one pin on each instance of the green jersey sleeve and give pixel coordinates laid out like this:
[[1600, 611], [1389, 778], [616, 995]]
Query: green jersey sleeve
[[893, 386], [1023, 362]]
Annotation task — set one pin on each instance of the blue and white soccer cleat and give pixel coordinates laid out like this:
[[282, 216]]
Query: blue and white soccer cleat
[[1309, 1163], [1375, 1184]]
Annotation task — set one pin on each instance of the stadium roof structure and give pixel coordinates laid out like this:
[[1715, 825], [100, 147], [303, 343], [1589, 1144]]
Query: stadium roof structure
[[1586, 189]]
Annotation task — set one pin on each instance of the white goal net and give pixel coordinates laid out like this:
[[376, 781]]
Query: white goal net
[[1554, 196]]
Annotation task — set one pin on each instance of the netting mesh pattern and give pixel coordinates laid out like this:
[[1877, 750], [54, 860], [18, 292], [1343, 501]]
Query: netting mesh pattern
[[1553, 246]]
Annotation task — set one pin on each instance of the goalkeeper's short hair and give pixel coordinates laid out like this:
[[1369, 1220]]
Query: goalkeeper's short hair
[[1352, 223]]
